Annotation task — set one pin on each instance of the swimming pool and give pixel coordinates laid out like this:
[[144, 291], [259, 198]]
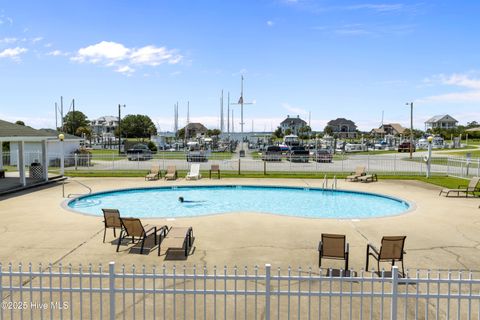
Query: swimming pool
[[162, 202]]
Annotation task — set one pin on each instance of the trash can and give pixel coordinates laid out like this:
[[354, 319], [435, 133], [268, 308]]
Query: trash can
[[35, 171], [242, 153]]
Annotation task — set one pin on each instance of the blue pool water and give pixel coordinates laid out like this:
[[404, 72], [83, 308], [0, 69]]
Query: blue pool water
[[205, 200]]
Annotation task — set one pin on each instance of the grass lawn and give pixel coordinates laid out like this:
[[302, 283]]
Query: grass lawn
[[374, 152], [475, 153]]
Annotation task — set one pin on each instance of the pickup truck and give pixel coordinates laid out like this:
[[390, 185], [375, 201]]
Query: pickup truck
[[139, 152], [272, 153], [298, 154]]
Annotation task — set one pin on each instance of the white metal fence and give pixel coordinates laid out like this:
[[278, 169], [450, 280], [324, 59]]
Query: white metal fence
[[236, 293], [389, 164]]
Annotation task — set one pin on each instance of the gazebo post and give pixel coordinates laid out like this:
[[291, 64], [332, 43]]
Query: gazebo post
[[1, 154], [45, 159], [21, 163]]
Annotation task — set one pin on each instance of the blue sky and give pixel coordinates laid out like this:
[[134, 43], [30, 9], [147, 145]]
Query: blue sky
[[350, 59]]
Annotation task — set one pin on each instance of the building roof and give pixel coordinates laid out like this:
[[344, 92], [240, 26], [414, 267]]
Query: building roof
[[15, 132], [293, 120], [341, 121], [473, 129], [397, 127], [197, 126], [105, 119], [441, 117]]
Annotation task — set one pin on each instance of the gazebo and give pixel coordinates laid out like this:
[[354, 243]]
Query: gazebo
[[11, 132]]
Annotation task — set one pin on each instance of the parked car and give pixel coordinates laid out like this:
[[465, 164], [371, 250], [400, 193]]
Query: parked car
[[323, 155], [139, 152], [196, 156], [298, 154], [272, 153], [405, 147]]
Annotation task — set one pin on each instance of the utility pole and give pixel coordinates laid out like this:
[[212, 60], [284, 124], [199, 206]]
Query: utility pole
[[56, 117], [411, 128], [61, 114], [73, 117], [120, 128]]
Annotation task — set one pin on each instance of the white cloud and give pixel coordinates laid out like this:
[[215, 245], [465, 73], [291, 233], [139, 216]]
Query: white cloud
[[465, 81], [294, 110], [125, 69], [270, 23], [13, 53], [4, 20], [37, 39], [57, 53], [8, 40], [104, 51], [113, 54]]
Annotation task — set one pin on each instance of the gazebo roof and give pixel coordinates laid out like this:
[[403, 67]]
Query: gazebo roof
[[15, 132]]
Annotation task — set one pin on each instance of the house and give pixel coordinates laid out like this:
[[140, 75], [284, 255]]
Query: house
[[443, 121], [394, 129], [343, 128], [103, 128], [292, 123], [194, 130]]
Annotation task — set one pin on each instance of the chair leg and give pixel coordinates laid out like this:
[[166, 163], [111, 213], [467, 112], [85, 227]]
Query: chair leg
[[366, 264], [114, 232], [346, 262], [119, 240], [104, 233]]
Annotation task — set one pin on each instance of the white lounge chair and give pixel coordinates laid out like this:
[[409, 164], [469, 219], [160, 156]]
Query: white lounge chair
[[194, 173]]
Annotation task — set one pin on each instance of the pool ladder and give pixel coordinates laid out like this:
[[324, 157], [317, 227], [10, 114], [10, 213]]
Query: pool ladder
[[75, 194], [325, 183]]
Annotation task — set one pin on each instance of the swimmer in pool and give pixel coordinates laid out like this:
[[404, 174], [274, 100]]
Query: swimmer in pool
[[182, 200]]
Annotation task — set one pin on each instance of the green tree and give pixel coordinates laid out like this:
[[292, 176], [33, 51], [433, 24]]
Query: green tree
[[304, 132], [72, 121], [288, 131], [328, 130], [472, 124], [181, 133], [137, 126], [213, 132], [278, 132], [20, 123]]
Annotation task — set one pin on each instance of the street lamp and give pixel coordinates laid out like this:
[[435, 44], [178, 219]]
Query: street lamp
[[61, 137], [411, 127], [429, 159], [119, 128]]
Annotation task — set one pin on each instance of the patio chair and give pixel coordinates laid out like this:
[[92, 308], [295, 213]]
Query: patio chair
[[333, 246], [215, 168], [171, 173], [154, 174], [390, 250], [359, 171], [111, 219], [471, 188], [177, 238], [368, 178], [133, 227], [194, 173]]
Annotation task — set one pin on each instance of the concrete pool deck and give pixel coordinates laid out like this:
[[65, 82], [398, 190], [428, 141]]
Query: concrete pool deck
[[442, 233]]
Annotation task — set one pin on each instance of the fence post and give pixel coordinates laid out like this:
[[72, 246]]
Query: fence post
[[113, 161], [478, 167], [268, 268], [264, 168], [111, 278], [76, 160], [394, 293], [239, 166]]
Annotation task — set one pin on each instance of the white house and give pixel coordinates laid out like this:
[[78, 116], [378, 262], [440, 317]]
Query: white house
[[103, 128], [443, 121]]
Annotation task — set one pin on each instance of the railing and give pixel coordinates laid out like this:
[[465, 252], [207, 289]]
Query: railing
[[48, 292], [75, 194], [389, 164]]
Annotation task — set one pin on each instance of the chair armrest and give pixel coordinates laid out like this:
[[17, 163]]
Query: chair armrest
[[371, 246], [152, 228]]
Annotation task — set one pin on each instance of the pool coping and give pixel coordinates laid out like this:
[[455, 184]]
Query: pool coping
[[411, 204]]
